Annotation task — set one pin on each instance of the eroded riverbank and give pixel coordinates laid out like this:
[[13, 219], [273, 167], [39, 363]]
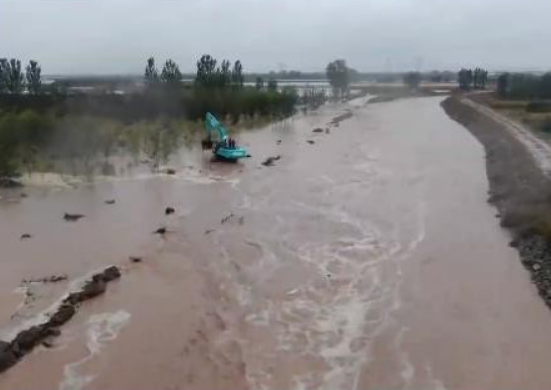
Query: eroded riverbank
[[367, 259]]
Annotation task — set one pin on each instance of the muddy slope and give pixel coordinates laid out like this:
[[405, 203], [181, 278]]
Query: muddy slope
[[519, 189]]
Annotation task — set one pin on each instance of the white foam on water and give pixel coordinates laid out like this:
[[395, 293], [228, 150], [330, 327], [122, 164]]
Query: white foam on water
[[50, 179], [359, 309], [101, 329], [21, 290], [436, 384]]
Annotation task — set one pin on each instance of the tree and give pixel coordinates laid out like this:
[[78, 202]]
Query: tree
[[34, 81], [465, 78], [259, 83], [206, 72], [171, 73], [412, 79], [480, 78], [3, 75], [14, 76], [503, 85], [272, 85], [237, 74], [151, 75], [435, 76], [224, 74], [339, 77], [544, 87]]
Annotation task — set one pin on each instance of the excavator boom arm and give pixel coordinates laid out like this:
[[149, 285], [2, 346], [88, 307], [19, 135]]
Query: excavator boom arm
[[212, 124]]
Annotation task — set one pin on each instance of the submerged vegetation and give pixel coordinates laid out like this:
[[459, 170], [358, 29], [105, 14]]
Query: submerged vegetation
[[41, 125]]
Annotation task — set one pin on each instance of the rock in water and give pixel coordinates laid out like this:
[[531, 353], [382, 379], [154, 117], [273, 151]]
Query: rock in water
[[57, 278], [7, 356], [25, 236], [111, 273], [310, 142], [72, 217], [317, 130], [169, 210], [135, 259], [29, 338], [226, 218], [270, 161], [62, 315], [93, 288], [161, 230], [110, 201]]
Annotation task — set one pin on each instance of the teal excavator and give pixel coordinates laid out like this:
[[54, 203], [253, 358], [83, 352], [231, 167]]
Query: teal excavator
[[223, 148]]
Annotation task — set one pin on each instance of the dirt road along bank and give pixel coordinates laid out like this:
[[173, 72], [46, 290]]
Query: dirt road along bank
[[519, 188]]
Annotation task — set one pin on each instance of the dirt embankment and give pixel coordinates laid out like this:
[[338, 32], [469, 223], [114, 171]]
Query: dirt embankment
[[518, 188]]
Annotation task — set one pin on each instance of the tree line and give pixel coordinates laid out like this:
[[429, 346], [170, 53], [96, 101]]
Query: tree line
[[13, 81], [469, 79], [524, 86]]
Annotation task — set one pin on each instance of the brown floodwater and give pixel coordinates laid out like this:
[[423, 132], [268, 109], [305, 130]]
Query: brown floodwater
[[367, 260]]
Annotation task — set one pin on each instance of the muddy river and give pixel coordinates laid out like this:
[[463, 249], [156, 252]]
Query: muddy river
[[369, 259]]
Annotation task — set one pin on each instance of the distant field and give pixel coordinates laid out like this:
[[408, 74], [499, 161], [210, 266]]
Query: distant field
[[534, 114]]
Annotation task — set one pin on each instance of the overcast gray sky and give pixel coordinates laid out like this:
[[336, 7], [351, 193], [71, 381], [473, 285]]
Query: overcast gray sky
[[116, 36]]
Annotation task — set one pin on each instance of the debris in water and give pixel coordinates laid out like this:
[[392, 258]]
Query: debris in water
[[47, 279], [317, 130], [161, 231], [24, 195], [310, 142], [25, 236], [135, 259], [8, 182], [72, 217], [226, 218], [47, 344], [169, 210], [327, 131], [270, 161], [241, 220], [336, 120], [110, 201], [209, 231], [279, 142], [170, 171]]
